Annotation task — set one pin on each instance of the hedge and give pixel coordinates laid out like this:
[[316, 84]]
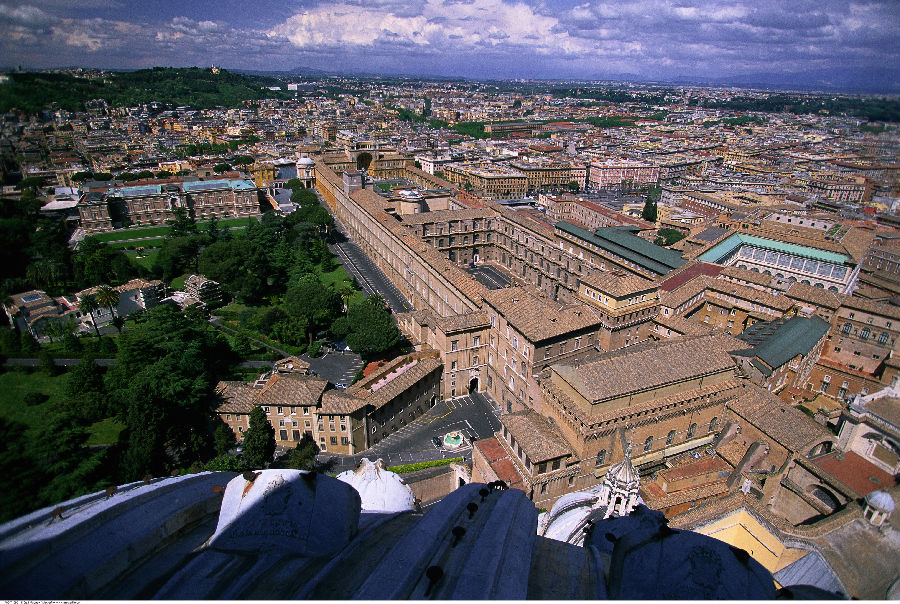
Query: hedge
[[413, 467]]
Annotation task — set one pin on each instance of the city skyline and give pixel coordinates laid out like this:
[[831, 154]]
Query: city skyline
[[827, 45]]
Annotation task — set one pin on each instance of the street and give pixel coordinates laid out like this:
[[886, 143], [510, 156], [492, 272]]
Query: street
[[474, 415]]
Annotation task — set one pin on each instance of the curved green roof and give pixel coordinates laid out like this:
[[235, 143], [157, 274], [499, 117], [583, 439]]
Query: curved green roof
[[725, 247]]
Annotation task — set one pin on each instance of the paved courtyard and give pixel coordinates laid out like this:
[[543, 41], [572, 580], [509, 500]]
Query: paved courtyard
[[489, 276], [474, 415]]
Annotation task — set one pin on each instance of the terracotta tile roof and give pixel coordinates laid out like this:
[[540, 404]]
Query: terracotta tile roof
[[491, 449], [746, 295], [292, 389], [501, 464], [676, 297], [646, 367], [656, 498], [396, 385], [339, 402], [447, 215], [692, 269], [238, 397], [471, 320], [880, 308], [784, 424], [817, 296], [539, 437], [539, 318], [703, 465], [856, 472], [681, 326], [617, 283], [280, 389]]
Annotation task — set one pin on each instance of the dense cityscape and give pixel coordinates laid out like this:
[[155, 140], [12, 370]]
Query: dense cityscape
[[601, 295]]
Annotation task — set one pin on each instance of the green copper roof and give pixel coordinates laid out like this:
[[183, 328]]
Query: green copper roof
[[623, 242], [777, 342], [725, 247]]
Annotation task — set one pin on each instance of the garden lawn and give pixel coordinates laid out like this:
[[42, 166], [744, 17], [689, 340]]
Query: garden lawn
[[145, 259], [339, 279], [15, 384], [105, 432], [178, 282]]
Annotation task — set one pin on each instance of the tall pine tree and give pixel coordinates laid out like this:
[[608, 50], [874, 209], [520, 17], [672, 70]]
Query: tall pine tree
[[259, 440]]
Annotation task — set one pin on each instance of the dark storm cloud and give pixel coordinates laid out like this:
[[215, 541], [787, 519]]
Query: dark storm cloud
[[521, 38]]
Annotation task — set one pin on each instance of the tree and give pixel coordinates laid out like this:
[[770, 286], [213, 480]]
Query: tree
[[224, 437], [87, 304], [163, 388], [649, 211], [85, 389], [303, 456], [221, 168], [316, 305], [108, 297], [259, 440], [181, 224], [372, 328], [28, 345]]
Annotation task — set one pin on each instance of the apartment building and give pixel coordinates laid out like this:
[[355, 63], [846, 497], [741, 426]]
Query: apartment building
[[488, 180], [613, 174]]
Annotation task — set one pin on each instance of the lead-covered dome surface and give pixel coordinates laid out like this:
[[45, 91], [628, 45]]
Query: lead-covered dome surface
[[379, 489]]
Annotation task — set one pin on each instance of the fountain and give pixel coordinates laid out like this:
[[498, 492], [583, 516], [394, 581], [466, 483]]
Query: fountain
[[453, 440]]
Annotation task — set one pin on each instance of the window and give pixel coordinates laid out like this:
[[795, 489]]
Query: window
[[847, 327], [345, 440], [306, 424], [864, 334], [266, 409], [601, 457], [333, 440], [523, 368], [713, 423], [648, 444], [542, 468], [883, 338], [691, 431], [555, 464], [453, 366], [240, 428], [280, 410], [454, 345], [475, 360], [306, 411], [282, 434], [476, 340]]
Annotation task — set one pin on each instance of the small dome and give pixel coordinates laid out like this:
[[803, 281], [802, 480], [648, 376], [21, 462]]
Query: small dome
[[881, 501], [305, 161], [379, 490]]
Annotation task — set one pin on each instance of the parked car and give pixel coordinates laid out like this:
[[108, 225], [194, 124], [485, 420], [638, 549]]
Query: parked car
[[341, 385]]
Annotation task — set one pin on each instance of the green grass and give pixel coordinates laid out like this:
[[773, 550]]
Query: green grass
[[178, 282], [15, 384], [133, 233], [340, 279], [146, 259], [105, 432], [160, 231]]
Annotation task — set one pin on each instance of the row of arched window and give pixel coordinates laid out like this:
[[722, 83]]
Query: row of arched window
[[670, 438], [864, 333]]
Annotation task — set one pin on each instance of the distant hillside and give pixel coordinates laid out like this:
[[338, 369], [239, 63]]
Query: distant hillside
[[198, 88]]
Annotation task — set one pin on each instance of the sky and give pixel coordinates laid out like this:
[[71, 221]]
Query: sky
[[830, 41]]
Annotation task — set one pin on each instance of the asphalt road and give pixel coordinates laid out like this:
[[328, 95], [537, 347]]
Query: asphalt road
[[370, 278], [474, 415]]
